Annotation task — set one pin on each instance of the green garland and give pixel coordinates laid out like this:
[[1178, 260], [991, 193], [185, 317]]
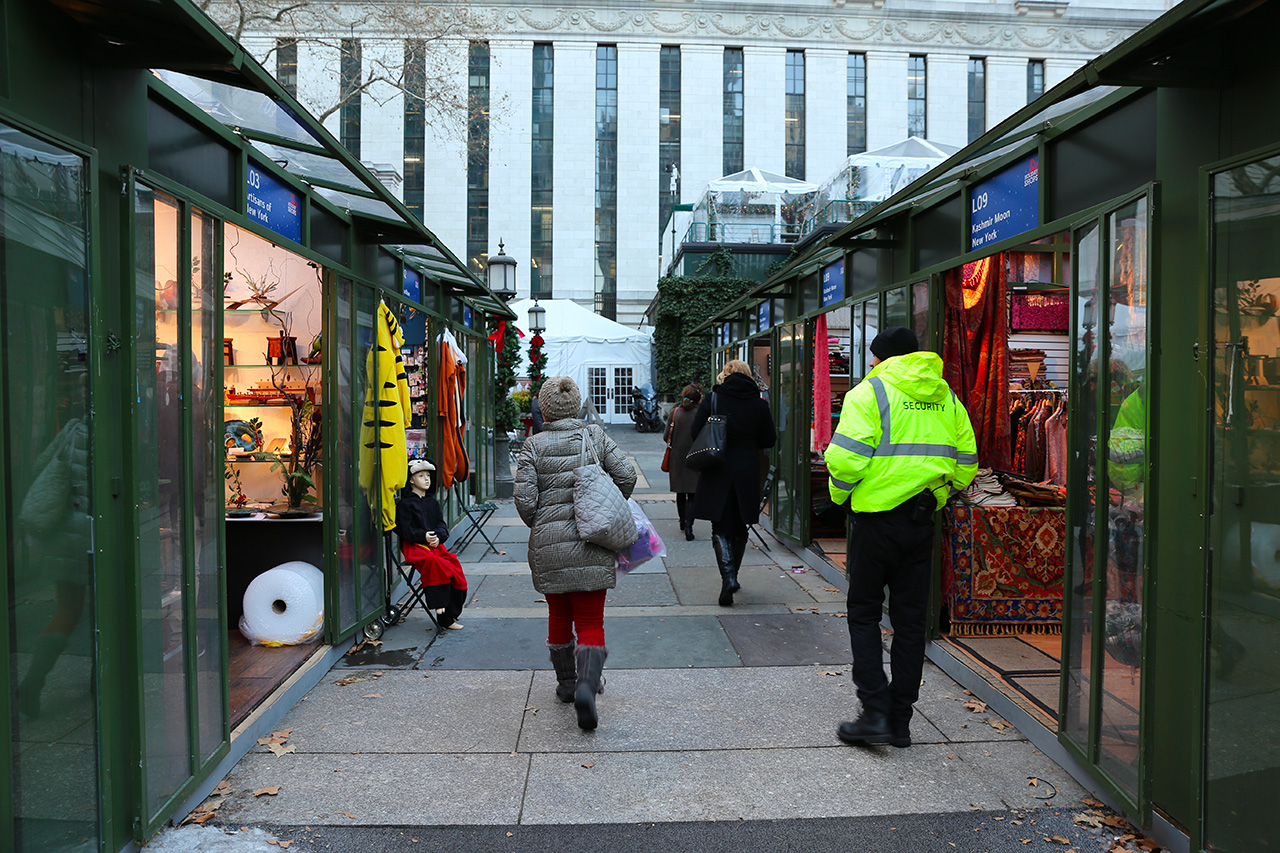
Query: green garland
[[505, 416], [537, 364], [684, 301]]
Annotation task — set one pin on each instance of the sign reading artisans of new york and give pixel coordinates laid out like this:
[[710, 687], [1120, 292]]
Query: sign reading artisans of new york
[[1006, 204], [273, 204]]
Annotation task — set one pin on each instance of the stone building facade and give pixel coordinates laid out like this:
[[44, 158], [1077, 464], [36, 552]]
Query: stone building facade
[[604, 63]]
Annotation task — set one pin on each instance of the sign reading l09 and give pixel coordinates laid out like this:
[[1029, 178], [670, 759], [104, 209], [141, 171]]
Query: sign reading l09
[[1006, 204], [273, 204], [832, 283]]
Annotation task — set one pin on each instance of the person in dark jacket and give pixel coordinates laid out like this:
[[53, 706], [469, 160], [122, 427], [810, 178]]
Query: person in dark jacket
[[535, 409], [422, 531], [728, 495], [682, 479]]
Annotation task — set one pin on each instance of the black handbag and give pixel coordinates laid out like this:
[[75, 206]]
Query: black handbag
[[708, 448]]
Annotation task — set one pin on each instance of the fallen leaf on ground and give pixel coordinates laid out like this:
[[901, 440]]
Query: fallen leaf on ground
[[371, 696], [1097, 804], [270, 790], [223, 787], [1057, 839], [1032, 781], [346, 814], [263, 741], [1116, 821], [202, 817], [589, 765], [827, 672], [351, 680], [1001, 725], [282, 733], [509, 835], [1092, 820], [975, 705], [280, 749]]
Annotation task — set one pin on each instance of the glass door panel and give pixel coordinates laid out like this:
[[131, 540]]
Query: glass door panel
[[793, 402], [369, 574], [47, 637], [598, 389], [622, 385], [1242, 729], [1126, 466], [207, 484], [162, 539], [342, 424], [1082, 478]]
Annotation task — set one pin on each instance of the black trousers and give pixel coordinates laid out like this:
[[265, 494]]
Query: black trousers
[[682, 508], [891, 549]]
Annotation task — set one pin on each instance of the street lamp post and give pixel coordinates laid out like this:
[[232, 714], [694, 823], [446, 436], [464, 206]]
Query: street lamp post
[[501, 270]]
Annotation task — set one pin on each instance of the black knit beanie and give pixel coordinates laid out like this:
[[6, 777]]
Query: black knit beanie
[[896, 341]]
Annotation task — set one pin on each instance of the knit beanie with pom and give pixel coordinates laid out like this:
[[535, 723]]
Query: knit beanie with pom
[[559, 399]]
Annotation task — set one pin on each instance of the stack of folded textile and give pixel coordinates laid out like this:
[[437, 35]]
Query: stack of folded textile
[[986, 490], [1028, 493]]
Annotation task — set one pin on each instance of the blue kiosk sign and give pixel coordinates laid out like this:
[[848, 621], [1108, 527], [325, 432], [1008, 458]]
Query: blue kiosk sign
[[832, 283], [762, 316], [271, 203], [1006, 204]]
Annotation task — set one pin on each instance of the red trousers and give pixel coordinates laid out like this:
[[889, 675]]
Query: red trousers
[[435, 565], [585, 610]]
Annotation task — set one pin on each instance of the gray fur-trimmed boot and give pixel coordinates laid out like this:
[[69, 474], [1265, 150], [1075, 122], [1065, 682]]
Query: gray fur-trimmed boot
[[566, 670], [590, 682]]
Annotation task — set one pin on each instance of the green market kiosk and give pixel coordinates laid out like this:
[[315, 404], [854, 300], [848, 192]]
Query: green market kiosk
[[1130, 217], [191, 274]]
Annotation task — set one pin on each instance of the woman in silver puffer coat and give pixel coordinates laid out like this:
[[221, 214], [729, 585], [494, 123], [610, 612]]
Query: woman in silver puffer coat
[[573, 575]]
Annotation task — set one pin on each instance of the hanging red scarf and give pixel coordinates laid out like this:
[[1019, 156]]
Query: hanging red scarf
[[975, 353]]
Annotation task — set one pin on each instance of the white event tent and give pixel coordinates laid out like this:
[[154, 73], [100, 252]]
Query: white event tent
[[605, 358]]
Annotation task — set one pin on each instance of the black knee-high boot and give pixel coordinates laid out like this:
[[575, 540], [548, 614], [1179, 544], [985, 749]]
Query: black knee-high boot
[[590, 679], [723, 547], [739, 548], [566, 670]]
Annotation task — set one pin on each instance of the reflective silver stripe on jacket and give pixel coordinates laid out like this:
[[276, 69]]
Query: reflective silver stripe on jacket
[[888, 448], [852, 445]]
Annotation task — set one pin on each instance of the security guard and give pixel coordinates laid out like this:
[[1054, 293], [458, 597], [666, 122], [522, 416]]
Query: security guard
[[904, 441]]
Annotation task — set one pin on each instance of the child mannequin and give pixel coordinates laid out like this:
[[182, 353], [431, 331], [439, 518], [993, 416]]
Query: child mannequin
[[420, 525]]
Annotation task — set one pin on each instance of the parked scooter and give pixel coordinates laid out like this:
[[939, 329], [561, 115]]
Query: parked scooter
[[645, 410]]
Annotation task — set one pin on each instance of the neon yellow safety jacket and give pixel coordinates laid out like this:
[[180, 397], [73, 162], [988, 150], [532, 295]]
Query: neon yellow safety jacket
[[901, 430]]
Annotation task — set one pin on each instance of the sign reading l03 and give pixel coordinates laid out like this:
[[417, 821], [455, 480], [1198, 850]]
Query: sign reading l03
[[273, 204], [1006, 204]]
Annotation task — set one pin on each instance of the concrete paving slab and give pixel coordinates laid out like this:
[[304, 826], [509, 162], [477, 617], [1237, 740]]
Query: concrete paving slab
[[942, 703], [374, 790], [410, 711], [513, 590], [1007, 770], [493, 567], [511, 534], [789, 640], [767, 784], [490, 644], [641, 590], [699, 553], [402, 646], [723, 708], [667, 642], [700, 585]]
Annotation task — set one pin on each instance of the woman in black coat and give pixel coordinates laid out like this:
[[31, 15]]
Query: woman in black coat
[[728, 495]]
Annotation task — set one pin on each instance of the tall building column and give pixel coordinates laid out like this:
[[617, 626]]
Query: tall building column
[[826, 79], [1006, 87], [886, 98], [701, 118], [574, 174], [511, 151], [764, 108], [382, 110], [947, 98], [445, 166], [638, 178]]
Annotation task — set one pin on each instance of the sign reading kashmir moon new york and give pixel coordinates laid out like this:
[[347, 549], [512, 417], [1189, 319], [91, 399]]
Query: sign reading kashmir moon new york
[[1006, 204]]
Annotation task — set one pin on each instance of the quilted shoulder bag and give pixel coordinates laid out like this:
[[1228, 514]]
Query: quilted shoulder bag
[[599, 509], [707, 451]]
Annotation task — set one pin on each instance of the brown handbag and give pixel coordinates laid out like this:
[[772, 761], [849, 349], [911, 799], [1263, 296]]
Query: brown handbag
[[666, 460]]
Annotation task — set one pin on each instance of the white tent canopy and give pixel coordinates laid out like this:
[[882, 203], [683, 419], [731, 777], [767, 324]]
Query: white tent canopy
[[580, 343], [873, 176], [755, 180]]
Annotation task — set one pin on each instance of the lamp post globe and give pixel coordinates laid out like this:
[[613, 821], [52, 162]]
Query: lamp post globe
[[502, 274], [537, 319]]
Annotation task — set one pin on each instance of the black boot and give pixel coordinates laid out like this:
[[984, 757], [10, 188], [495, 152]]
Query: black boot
[[723, 547], [688, 530], [590, 678], [566, 671], [870, 727], [739, 548]]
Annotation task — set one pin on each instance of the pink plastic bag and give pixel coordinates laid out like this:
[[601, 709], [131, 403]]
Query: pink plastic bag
[[644, 549]]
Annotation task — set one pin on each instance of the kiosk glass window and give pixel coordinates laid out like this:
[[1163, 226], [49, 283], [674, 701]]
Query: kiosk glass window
[[48, 625], [346, 486], [1242, 729], [896, 309]]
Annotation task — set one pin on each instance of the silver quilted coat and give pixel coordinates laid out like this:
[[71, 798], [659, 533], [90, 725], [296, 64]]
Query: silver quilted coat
[[559, 560]]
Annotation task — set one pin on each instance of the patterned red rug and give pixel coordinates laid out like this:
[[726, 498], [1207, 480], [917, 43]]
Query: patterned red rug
[[1002, 568]]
